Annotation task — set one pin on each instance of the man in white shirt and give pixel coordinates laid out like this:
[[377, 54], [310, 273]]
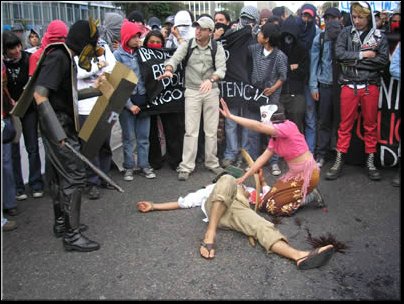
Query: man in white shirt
[[226, 205]]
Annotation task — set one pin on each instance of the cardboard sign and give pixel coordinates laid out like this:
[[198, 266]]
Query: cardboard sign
[[116, 91]]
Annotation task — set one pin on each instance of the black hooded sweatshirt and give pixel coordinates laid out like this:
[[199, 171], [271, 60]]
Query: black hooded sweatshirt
[[296, 54]]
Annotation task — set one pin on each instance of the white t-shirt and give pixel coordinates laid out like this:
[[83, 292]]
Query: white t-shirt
[[199, 198], [86, 79]]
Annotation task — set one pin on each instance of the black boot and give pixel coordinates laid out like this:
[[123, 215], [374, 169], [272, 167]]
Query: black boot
[[373, 173], [335, 171], [59, 227], [315, 199], [73, 239]]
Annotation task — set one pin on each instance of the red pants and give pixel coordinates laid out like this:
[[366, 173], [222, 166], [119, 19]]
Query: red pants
[[368, 100]]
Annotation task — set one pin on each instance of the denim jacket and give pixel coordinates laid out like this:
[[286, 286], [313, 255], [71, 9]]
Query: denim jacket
[[320, 68], [131, 61]]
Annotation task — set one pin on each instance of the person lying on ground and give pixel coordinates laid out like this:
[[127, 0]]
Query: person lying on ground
[[297, 187], [226, 206]]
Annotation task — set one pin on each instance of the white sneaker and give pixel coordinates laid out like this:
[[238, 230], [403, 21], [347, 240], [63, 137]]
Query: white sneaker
[[128, 175], [21, 196], [148, 173], [37, 194]]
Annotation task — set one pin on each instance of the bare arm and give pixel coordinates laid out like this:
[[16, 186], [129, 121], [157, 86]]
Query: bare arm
[[145, 206], [245, 122], [258, 164]]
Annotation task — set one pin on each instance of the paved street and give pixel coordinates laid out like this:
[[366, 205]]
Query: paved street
[[155, 256]]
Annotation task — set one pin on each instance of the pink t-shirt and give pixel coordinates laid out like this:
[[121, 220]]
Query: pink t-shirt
[[288, 141]]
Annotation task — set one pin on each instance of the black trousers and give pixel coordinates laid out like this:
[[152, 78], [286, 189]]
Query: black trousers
[[174, 130]]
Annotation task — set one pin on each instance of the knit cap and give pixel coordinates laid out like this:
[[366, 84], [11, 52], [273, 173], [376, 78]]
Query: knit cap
[[250, 12]]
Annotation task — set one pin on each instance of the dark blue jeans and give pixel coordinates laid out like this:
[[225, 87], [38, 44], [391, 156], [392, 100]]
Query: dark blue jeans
[[30, 132]]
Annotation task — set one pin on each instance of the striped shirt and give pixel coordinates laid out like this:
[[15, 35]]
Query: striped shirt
[[268, 69]]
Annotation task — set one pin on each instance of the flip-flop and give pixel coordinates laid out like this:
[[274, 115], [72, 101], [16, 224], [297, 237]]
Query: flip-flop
[[315, 258], [209, 247]]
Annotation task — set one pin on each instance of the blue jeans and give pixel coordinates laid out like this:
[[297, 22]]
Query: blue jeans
[[250, 140], [30, 132], [102, 160], [8, 178], [310, 120], [133, 127]]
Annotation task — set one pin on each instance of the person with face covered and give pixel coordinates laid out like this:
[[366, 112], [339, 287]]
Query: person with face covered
[[298, 186], [222, 21], [181, 31], [363, 53], [324, 87], [247, 22], [172, 124], [55, 94], [307, 31], [133, 124], [292, 95]]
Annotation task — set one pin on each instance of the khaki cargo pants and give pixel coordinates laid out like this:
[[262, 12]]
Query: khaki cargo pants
[[239, 216]]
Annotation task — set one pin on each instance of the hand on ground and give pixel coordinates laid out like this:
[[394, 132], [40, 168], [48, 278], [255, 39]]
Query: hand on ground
[[144, 206]]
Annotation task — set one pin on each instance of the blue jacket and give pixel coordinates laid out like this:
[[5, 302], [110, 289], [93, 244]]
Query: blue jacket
[[320, 68], [395, 68], [131, 61]]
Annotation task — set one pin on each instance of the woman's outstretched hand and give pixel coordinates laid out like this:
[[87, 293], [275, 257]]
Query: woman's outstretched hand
[[224, 109]]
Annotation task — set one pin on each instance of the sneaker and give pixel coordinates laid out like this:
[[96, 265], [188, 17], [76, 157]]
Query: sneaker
[[183, 176], [227, 162], [148, 173], [37, 193], [275, 170], [216, 170], [128, 175], [320, 162], [9, 226], [94, 193], [21, 196]]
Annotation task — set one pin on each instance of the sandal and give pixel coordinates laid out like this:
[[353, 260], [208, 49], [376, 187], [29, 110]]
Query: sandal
[[315, 258], [209, 247]]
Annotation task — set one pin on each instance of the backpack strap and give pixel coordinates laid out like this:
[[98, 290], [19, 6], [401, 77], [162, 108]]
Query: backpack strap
[[213, 52]]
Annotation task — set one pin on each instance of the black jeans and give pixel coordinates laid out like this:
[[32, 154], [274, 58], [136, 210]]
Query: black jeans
[[30, 132]]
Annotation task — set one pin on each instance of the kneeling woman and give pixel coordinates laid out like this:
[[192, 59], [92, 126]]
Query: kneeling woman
[[297, 187]]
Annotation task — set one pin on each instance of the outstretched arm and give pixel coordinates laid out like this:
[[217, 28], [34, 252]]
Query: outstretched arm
[[245, 122], [258, 164], [145, 206]]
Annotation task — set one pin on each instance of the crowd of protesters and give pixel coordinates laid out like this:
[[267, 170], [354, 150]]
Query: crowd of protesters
[[317, 68]]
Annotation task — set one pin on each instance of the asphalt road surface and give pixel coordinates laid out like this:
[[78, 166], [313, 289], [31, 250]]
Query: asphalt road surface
[[155, 256]]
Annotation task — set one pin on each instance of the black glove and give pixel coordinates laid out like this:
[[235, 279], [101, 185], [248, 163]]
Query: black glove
[[88, 93]]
